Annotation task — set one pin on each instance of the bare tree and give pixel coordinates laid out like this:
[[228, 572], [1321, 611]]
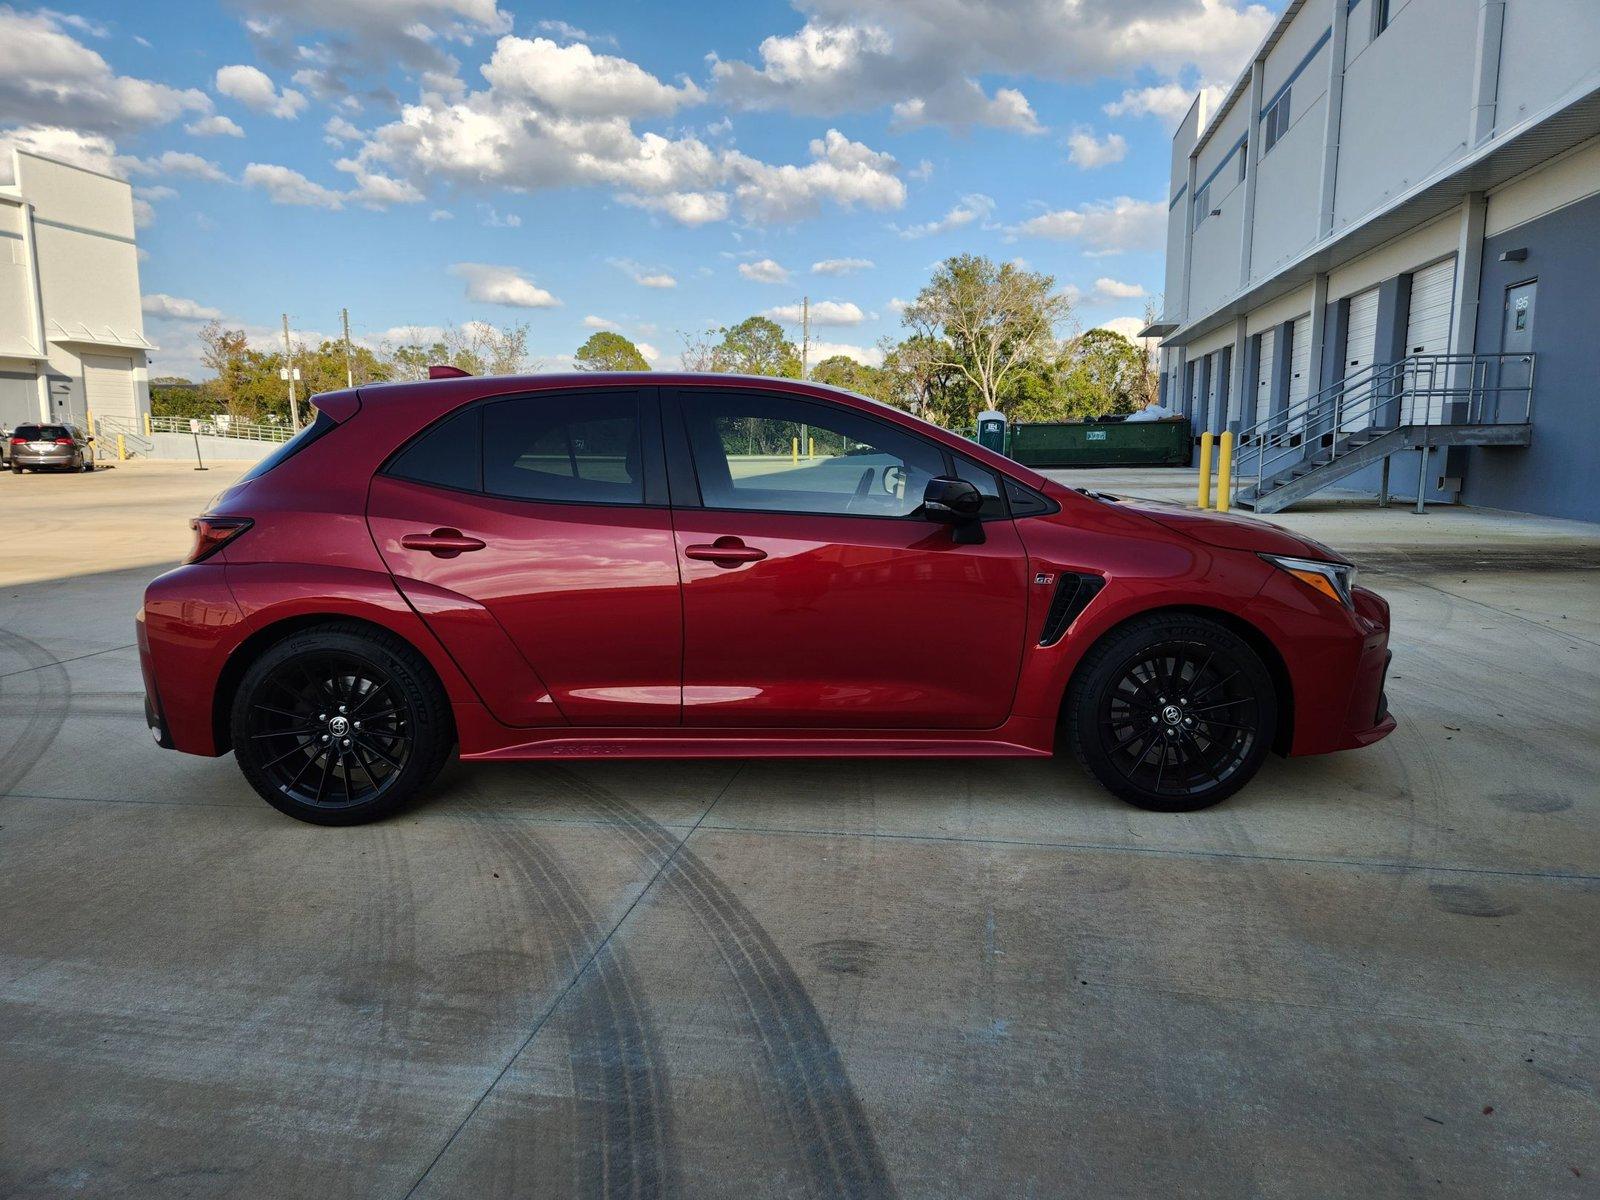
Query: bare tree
[[991, 318]]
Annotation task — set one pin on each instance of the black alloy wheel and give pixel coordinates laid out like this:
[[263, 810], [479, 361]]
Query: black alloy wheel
[[1173, 713], [340, 725]]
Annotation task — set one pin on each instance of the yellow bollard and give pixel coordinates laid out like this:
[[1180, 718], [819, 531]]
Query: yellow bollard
[[148, 431], [794, 453], [1204, 497], [811, 450], [122, 449], [1224, 471]]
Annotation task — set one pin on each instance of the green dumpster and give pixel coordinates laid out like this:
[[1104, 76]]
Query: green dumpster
[[1166, 443]]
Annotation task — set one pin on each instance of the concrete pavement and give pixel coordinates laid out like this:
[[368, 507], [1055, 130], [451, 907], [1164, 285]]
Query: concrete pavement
[[1371, 974]]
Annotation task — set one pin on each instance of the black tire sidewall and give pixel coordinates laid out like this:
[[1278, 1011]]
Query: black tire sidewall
[[1103, 665], [433, 734]]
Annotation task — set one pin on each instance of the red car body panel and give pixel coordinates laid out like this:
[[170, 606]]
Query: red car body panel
[[586, 631]]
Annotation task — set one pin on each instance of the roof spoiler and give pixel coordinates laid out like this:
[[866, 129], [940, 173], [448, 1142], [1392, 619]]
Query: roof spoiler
[[443, 371]]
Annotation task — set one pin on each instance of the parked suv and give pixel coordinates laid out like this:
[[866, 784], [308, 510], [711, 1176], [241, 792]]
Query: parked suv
[[683, 566], [50, 448]]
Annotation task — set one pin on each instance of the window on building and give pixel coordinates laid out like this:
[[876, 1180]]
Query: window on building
[[1380, 16], [1202, 204], [1244, 158], [1275, 122]]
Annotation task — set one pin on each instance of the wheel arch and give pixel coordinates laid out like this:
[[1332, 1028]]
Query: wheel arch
[[1253, 635], [261, 640]]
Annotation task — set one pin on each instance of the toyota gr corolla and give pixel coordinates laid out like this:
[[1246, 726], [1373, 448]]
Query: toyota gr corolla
[[680, 566]]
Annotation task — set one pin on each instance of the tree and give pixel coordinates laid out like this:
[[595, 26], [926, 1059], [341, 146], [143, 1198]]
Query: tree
[[755, 346], [842, 371], [477, 348], [1105, 373], [609, 351], [223, 351], [994, 319], [919, 377]]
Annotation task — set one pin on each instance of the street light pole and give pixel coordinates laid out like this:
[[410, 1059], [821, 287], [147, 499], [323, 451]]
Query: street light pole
[[349, 368], [288, 366]]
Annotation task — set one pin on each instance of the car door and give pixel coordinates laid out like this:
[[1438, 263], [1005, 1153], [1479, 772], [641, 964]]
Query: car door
[[548, 512], [815, 594]]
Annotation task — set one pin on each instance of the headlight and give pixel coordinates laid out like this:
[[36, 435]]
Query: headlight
[[1333, 580]]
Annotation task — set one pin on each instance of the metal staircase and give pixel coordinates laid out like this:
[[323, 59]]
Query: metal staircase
[[120, 437], [1421, 402]]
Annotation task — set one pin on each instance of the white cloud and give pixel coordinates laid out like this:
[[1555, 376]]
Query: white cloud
[[925, 58], [50, 79], [844, 172], [495, 219], [594, 322], [284, 185], [92, 150], [976, 207], [176, 162], [252, 87], [644, 276], [686, 208], [841, 266], [823, 312], [649, 352], [1087, 151], [441, 214], [1108, 226], [215, 125], [764, 270], [1168, 102], [1106, 288], [488, 284], [339, 131], [1128, 327], [575, 81], [572, 33], [869, 356], [159, 304]]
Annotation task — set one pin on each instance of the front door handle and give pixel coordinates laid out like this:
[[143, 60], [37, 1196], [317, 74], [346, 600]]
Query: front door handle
[[441, 543], [725, 552]]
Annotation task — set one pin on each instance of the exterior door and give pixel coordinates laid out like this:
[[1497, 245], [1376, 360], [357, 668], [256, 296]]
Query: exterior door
[[815, 594], [1513, 403], [1427, 334], [1360, 352], [108, 386], [1299, 373], [534, 537], [1263, 381]]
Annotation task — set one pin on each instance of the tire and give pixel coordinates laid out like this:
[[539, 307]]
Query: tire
[[1173, 713], [88, 464], [288, 724], [16, 468]]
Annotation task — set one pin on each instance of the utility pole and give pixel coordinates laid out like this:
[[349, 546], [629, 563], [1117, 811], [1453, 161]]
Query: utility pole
[[349, 368], [288, 361], [805, 336]]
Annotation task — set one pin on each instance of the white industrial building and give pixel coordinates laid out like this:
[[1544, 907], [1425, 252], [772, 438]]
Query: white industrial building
[[1382, 249], [71, 329]]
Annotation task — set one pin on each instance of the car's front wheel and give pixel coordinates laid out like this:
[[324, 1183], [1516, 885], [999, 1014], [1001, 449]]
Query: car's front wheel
[[340, 724], [1172, 712]]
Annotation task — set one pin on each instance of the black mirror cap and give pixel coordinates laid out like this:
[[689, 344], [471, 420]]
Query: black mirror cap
[[947, 498]]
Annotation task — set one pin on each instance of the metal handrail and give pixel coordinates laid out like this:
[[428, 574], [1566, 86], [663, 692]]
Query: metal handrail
[[1466, 389], [252, 430]]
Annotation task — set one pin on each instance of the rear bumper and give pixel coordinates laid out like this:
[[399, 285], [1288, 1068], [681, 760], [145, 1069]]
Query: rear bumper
[[186, 628], [68, 458]]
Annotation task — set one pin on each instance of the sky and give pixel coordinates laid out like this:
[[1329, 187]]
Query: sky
[[658, 169]]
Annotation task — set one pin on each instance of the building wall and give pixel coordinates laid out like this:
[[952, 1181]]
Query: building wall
[[1556, 474], [1547, 49]]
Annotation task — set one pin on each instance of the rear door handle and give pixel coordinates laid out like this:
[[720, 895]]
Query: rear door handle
[[725, 552], [442, 543]]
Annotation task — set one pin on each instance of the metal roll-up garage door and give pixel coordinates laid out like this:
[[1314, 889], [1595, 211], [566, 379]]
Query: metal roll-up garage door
[[1299, 371], [1428, 332], [1360, 349], [1217, 410], [1264, 374], [108, 386]]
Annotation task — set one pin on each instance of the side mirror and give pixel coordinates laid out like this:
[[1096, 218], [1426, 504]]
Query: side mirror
[[955, 502]]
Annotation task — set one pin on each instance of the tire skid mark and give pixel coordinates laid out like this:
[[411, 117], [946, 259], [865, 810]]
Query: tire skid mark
[[824, 1115], [46, 680], [618, 1073]]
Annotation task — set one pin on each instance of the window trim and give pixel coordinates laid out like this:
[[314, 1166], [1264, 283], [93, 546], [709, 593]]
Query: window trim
[[654, 491], [672, 401]]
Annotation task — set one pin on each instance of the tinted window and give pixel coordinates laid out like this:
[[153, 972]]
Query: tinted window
[[1025, 502], [446, 455], [41, 433], [310, 433], [774, 454], [572, 449], [987, 482]]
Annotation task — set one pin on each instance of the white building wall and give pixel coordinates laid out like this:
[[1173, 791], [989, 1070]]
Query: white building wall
[[1547, 49]]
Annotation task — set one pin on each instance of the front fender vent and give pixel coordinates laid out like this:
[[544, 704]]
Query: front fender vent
[[1073, 593]]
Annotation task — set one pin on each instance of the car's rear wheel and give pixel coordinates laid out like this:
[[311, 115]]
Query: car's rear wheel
[[340, 724], [1172, 713]]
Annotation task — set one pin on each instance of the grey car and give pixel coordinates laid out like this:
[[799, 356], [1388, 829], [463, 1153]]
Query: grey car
[[50, 448]]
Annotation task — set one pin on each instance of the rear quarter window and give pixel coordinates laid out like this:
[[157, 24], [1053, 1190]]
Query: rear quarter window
[[319, 428]]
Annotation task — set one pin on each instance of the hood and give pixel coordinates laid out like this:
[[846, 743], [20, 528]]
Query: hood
[[1228, 531]]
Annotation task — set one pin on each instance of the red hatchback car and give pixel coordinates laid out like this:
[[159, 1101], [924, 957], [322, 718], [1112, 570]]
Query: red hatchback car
[[684, 566]]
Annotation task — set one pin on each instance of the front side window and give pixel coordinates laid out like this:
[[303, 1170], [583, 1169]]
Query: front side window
[[776, 454], [576, 449]]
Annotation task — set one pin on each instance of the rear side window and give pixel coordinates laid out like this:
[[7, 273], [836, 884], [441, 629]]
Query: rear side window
[[324, 424], [445, 456], [582, 448]]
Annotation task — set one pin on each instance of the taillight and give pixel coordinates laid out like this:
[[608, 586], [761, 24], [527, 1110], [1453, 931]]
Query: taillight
[[63, 441], [19, 441], [213, 533]]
